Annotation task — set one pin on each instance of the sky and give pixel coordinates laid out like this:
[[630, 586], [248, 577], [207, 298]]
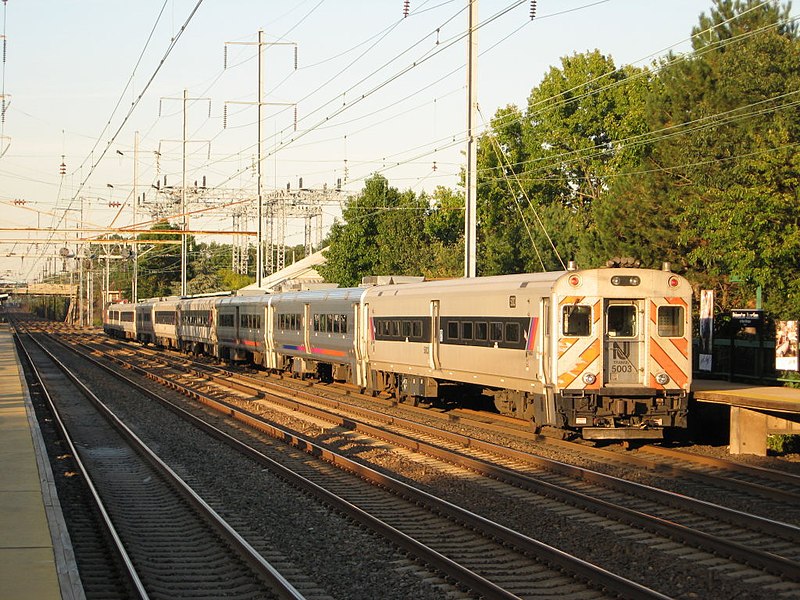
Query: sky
[[351, 88]]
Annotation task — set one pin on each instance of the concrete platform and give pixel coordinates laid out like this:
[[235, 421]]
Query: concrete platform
[[36, 560], [756, 411]]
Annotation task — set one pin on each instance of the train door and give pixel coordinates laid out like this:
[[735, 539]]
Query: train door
[[433, 351], [545, 350], [307, 324], [360, 336], [623, 342]]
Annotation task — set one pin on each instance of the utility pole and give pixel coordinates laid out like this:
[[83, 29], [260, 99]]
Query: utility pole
[[184, 244], [259, 172], [135, 280], [470, 216], [184, 212]]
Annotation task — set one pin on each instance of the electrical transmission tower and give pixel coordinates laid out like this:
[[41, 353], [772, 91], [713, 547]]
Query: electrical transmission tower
[[282, 205], [240, 250]]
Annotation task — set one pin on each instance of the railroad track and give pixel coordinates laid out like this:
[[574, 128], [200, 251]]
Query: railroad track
[[770, 546], [163, 535], [482, 557]]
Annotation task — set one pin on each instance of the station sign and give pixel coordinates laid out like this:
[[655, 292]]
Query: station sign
[[748, 317]]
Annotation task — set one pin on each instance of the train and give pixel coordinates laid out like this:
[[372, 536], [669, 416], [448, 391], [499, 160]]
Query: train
[[602, 352]]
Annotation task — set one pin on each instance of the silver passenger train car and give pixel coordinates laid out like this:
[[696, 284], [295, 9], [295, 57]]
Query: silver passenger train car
[[603, 351]]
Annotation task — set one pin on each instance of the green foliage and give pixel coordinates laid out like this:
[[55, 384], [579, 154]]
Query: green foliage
[[159, 264], [386, 232], [783, 444], [723, 171], [574, 122], [693, 162], [793, 378], [541, 172]]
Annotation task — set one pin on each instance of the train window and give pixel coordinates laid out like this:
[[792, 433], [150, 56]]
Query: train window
[[406, 329], [577, 320], [670, 321], [466, 330], [481, 331], [621, 321], [344, 323], [416, 329], [164, 317], [223, 320], [495, 331], [452, 330], [512, 332]]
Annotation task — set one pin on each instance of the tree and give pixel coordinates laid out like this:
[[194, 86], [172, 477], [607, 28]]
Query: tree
[[159, 264], [444, 234], [722, 170], [577, 122], [382, 232], [541, 172]]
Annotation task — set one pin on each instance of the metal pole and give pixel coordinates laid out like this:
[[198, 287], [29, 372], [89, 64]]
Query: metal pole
[[470, 216], [184, 289], [260, 230], [80, 270], [135, 281]]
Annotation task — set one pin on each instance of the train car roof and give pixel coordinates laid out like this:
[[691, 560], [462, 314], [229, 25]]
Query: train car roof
[[320, 295], [121, 305], [246, 300], [464, 285]]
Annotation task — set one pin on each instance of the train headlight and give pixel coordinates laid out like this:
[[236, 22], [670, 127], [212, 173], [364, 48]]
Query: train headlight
[[662, 379], [673, 282], [589, 378], [632, 280], [574, 280]]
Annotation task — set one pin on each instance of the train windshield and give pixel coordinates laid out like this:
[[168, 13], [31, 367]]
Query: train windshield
[[670, 321], [577, 320], [621, 321]]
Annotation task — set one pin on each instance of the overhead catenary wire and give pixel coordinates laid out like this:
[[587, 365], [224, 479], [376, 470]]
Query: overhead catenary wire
[[377, 159], [171, 46]]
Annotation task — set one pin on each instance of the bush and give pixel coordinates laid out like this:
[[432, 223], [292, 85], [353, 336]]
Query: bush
[[783, 444]]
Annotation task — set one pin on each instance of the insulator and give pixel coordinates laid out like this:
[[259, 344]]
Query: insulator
[[295, 58], [406, 6], [225, 117], [533, 9], [5, 42], [225, 58], [295, 117]]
